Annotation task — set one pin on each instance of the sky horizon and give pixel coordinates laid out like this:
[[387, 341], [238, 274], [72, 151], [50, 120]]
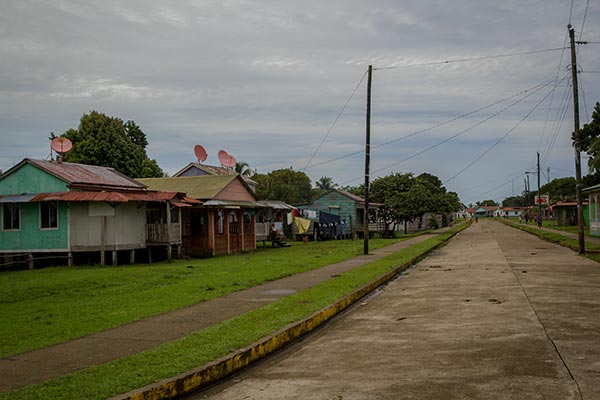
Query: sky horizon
[[467, 91]]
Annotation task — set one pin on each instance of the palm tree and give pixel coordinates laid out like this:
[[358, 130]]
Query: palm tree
[[325, 183], [243, 169]]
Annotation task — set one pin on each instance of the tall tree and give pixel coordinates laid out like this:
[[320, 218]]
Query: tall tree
[[589, 139], [287, 185], [109, 142]]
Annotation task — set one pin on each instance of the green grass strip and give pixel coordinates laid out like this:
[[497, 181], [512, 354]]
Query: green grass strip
[[553, 237], [206, 345], [43, 307]]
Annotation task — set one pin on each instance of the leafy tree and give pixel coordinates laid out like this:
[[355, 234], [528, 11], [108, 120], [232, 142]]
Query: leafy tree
[[589, 139], [514, 201], [406, 197], [325, 183], [486, 203], [109, 142], [356, 190], [287, 185], [560, 189]]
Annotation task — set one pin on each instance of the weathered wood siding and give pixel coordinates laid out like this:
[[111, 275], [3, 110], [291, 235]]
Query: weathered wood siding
[[30, 179], [125, 229], [235, 191], [30, 237], [336, 203]]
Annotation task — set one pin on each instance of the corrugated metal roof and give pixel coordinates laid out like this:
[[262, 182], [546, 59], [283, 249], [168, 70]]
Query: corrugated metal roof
[[277, 205], [81, 174], [117, 197], [198, 187], [233, 203], [16, 198]]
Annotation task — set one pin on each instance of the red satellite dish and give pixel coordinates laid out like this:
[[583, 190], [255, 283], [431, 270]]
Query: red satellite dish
[[200, 153], [61, 145], [226, 159]]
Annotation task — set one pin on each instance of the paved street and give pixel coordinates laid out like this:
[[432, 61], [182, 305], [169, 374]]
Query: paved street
[[496, 314]]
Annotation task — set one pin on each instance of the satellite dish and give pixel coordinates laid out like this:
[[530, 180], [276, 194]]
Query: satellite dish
[[61, 145], [226, 159], [200, 153]]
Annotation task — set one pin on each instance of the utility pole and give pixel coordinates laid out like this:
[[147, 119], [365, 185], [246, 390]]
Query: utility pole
[[367, 161], [539, 193], [576, 143], [548, 169]]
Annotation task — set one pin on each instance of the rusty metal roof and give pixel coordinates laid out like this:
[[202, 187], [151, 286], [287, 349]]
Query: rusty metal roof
[[87, 175], [117, 197]]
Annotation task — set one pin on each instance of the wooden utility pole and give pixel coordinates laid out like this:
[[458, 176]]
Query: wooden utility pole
[[367, 161], [577, 143], [539, 193]]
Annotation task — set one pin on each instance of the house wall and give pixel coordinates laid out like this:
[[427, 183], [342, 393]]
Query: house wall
[[235, 191], [124, 228], [338, 204], [31, 237], [30, 179]]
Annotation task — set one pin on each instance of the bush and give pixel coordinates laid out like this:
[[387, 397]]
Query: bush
[[433, 223]]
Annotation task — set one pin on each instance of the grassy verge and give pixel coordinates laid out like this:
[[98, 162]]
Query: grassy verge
[[206, 345], [48, 306], [553, 237]]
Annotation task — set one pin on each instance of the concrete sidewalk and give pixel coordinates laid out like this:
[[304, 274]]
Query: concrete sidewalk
[[61, 359], [496, 314]]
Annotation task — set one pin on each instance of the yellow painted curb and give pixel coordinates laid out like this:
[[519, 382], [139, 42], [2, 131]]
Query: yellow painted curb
[[208, 374]]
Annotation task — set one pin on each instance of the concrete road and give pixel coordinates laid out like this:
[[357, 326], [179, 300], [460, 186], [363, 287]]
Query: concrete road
[[496, 314]]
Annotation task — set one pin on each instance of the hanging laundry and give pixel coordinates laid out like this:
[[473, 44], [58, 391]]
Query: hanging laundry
[[290, 218], [302, 224]]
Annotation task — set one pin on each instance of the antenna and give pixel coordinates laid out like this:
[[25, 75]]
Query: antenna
[[61, 145], [226, 160], [200, 153]]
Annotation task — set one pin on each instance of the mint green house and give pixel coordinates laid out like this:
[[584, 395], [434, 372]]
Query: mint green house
[[64, 210], [349, 207]]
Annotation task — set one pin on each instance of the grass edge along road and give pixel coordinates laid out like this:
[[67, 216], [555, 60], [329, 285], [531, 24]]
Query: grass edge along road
[[556, 237], [53, 305], [201, 347]]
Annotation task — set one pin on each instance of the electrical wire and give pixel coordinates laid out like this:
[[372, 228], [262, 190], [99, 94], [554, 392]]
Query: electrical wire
[[461, 132], [584, 17], [498, 141], [430, 127], [566, 102], [469, 59], [562, 53], [335, 120]]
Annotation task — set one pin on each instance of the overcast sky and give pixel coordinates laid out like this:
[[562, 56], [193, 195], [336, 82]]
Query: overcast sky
[[266, 81]]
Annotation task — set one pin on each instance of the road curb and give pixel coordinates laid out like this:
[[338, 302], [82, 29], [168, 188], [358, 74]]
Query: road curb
[[210, 373]]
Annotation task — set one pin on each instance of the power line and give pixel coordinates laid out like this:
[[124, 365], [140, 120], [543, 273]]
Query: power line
[[552, 98], [470, 59], [336, 120], [541, 85], [461, 132], [562, 111], [499, 140], [584, 17]]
